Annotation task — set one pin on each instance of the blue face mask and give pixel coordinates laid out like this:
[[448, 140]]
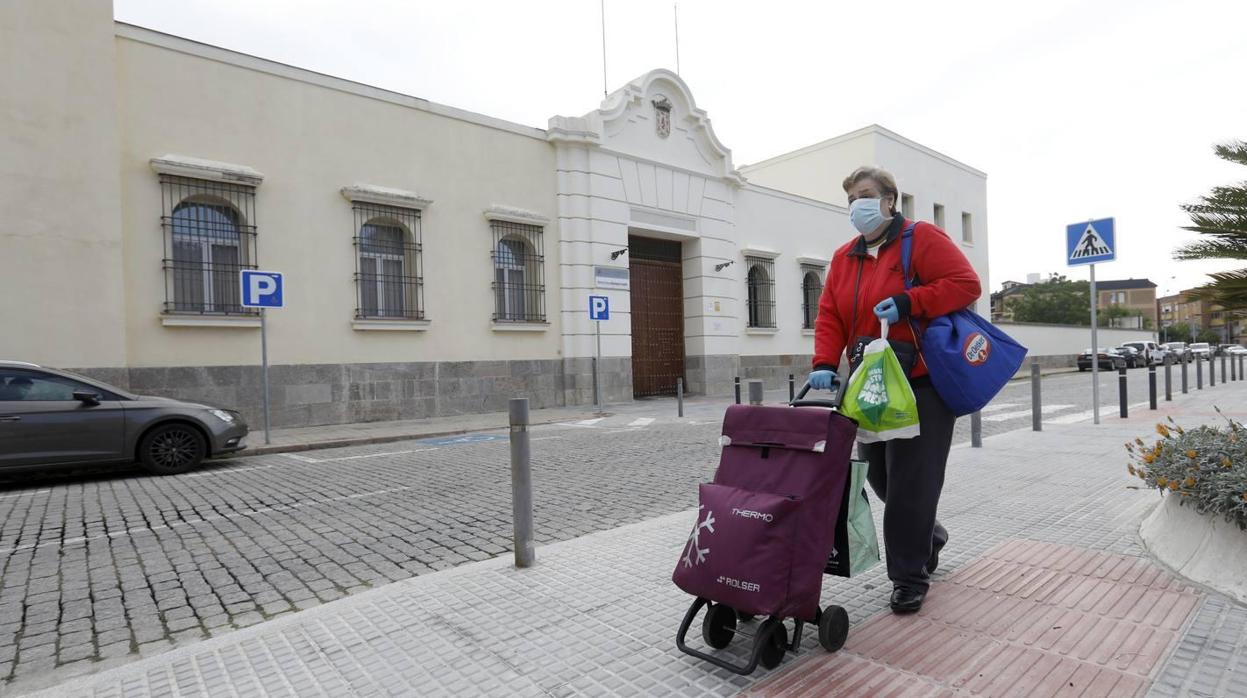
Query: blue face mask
[[865, 214]]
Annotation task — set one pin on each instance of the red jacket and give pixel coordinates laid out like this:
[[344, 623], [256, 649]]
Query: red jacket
[[947, 283]]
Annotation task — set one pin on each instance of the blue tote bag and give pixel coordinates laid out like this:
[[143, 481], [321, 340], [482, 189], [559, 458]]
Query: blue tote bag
[[969, 359]]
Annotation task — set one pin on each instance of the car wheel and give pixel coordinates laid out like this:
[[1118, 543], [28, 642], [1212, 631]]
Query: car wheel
[[171, 449]]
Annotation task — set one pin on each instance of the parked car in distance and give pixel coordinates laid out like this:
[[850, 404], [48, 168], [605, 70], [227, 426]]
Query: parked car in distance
[[1134, 358], [1236, 350], [1201, 349], [1108, 360], [1152, 354], [1179, 350], [1226, 349], [54, 418]]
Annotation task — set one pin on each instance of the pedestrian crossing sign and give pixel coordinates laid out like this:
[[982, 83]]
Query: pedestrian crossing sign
[[1091, 242]]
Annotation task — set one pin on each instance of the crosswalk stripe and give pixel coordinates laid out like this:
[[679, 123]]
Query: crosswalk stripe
[[589, 422], [642, 422], [1005, 416], [1088, 414], [996, 407]]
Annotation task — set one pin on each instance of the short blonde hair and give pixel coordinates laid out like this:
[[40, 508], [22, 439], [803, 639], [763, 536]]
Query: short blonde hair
[[882, 177]]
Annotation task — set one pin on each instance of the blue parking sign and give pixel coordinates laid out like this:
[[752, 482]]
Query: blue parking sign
[[599, 308], [261, 289]]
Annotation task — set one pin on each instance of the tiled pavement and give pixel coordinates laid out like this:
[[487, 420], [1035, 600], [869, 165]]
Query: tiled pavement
[[598, 614]]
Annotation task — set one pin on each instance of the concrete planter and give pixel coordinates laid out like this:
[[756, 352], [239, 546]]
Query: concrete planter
[[1204, 548]]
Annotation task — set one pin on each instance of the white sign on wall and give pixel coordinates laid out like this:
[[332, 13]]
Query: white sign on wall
[[611, 277]]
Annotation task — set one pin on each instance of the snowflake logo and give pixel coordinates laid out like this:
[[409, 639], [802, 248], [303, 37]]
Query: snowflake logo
[[693, 547]]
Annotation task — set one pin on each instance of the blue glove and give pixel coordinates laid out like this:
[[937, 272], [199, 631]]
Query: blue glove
[[887, 311], [822, 380]]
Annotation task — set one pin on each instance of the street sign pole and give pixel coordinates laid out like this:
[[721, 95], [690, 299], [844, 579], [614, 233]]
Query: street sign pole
[[1088, 243], [263, 290], [1095, 353], [264, 369], [597, 363]]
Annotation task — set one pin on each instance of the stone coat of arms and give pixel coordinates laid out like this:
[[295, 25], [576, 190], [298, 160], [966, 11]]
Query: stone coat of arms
[[662, 116]]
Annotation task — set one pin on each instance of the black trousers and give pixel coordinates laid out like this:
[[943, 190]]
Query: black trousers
[[908, 475]]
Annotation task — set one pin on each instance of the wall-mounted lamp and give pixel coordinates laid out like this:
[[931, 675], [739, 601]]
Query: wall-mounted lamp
[[617, 253], [725, 265]]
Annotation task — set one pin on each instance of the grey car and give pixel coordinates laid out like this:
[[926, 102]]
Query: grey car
[[52, 418]]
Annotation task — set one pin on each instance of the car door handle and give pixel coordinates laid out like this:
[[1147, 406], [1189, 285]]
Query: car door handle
[[10, 418]]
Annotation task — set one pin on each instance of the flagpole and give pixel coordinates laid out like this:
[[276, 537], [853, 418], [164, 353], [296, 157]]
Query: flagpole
[[605, 92], [676, 8]]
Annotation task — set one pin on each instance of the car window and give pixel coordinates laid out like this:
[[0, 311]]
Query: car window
[[29, 386]]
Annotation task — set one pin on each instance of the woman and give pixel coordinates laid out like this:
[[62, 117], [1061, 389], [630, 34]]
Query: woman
[[865, 284]]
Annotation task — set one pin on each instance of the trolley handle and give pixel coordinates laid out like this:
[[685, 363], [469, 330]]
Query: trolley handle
[[833, 402]]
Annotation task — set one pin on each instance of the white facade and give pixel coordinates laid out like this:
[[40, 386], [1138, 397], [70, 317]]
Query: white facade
[[87, 165]]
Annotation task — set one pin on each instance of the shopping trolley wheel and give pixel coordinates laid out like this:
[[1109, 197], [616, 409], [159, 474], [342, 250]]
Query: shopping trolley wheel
[[744, 617], [774, 638], [833, 628], [719, 626]]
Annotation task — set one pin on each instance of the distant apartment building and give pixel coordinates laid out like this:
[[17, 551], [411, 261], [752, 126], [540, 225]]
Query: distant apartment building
[[1199, 315], [1138, 296]]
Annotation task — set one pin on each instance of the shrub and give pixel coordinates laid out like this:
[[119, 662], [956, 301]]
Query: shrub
[[1206, 467]]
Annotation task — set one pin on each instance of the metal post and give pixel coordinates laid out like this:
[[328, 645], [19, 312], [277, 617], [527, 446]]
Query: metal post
[[1168, 379], [792, 387], [1199, 372], [1234, 368], [1036, 401], [976, 430], [755, 392], [679, 397], [597, 398], [1185, 371], [1095, 354], [1240, 368], [597, 359], [521, 484], [1212, 372], [1151, 386], [1225, 376], [1121, 391], [264, 364], [738, 390]]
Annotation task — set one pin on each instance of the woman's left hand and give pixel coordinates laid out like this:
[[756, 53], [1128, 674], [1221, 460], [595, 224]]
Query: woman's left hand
[[887, 310]]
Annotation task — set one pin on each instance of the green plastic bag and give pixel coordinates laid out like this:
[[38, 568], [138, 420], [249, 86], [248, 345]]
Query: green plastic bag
[[857, 545], [879, 397]]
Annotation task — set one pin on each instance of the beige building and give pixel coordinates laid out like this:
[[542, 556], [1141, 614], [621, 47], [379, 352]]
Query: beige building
[[1136, 296], [436, 261]]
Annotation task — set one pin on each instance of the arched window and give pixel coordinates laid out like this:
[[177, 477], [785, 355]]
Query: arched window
[[519, 283], [209, 240], [207, 257], [811, 290], [388, 280], [760, 297]]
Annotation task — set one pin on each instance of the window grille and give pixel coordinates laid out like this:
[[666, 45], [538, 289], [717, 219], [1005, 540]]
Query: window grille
[[389, 280], [761, 292], [811, 291], [519, 272], [209, 238]]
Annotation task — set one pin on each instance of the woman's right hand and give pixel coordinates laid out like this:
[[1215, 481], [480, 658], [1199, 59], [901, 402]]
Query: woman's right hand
[[822, 379]]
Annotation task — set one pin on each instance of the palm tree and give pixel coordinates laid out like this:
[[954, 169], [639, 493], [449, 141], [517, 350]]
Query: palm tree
[[1221, 216]]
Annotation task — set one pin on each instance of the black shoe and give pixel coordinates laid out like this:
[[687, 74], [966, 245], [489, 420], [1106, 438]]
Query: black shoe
[[905, 600]]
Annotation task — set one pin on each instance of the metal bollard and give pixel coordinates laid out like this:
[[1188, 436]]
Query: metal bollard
[[755, 392], [1199, 372], [1241, 367], [1036, 401], [597, 393], [792, 387], [976, 430], [1225, 375], [1185, 370], [1212, 372], [679, 397], [1121, 391], [1151, 386], [1168, 380], [738, 390], [1234, 368], [521, 484]]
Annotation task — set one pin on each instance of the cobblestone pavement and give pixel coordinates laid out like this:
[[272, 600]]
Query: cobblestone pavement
[[101, 566], [597, 615]]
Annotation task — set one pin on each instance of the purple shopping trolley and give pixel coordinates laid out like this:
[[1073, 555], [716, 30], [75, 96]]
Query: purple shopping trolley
[[765, 529]]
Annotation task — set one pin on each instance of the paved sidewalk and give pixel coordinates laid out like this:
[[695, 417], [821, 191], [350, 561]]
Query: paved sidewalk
[[295, 439], [1045, 585]]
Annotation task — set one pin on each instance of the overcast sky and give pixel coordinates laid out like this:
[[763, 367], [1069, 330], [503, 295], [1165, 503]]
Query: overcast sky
[[1074, 109]]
